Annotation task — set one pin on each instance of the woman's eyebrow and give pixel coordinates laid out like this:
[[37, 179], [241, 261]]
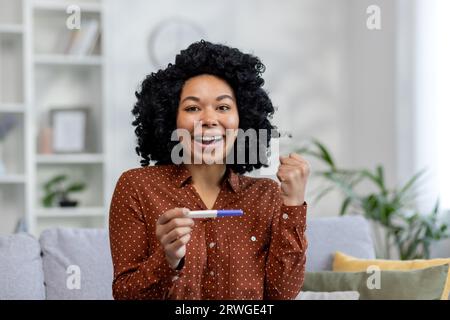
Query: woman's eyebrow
[[224, 96], [191, 98], [196, 99]]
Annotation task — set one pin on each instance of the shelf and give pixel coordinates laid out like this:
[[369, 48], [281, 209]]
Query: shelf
[[40, 70], [62, 6], [70, 212], [12, 108], [11, 28], [12, 179], [61, 59], [69, 158], [11, 65]]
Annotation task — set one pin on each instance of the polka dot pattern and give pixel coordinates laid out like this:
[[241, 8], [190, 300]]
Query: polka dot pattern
[[260, 255]]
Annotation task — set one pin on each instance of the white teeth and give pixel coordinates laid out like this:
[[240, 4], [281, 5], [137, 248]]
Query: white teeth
[[208, 138]]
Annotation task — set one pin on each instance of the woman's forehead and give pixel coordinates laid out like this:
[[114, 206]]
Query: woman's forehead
[[206, 86]]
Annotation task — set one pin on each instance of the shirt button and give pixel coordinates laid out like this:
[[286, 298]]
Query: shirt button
[[211, 273], [212, 244], [174, 278], [285, 216], [253, 238]]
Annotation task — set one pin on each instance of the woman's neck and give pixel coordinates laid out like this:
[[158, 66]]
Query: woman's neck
[[207, 176]]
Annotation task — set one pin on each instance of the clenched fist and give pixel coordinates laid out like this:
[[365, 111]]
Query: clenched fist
[[293, 174]]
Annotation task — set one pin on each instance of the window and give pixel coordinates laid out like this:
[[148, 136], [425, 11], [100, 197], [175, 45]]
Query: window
[[433, 95]]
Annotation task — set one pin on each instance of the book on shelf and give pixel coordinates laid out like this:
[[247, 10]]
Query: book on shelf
[[83, 41], [63, 40], [21, 226]]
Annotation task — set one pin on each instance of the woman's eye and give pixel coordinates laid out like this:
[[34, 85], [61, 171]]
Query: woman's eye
[[192, 108], [223, 108]]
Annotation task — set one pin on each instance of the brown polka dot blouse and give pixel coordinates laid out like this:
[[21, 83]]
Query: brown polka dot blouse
[[260, 255]]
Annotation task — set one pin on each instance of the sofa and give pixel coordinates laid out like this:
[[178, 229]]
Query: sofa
[[75, 263]]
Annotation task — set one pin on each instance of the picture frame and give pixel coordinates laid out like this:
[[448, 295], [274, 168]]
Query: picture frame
[[69, 127]]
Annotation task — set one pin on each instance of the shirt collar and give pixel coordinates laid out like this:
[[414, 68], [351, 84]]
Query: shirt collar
[[182, 175]]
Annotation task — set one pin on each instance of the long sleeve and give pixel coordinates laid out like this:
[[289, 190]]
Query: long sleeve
[[285, 265], [140, 272]]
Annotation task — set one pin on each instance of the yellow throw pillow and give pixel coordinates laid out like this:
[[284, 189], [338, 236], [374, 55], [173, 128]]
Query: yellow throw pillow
[[346, 263]]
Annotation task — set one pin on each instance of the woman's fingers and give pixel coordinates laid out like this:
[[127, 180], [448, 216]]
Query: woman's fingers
[[170, 220], [177, 248], [288, 174], [176, 223], [174, 235], [171, 214], [173, 230], [293, 173]]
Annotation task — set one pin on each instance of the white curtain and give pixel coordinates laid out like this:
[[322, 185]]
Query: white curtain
[[432, 96]]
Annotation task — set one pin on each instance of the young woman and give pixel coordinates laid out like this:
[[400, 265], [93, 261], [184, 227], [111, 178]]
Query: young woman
[[212, 94]]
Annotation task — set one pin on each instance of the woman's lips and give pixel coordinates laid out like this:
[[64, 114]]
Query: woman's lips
[[206, 143]]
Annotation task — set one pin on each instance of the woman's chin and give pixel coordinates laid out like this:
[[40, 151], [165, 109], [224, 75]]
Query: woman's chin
[[208, 159]]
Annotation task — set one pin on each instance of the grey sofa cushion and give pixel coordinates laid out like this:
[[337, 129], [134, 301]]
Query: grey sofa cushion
[[77, 256], [349, 234], [334, 295], [21, 275]]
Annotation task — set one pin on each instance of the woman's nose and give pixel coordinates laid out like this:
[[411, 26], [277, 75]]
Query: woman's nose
[[209, 118]]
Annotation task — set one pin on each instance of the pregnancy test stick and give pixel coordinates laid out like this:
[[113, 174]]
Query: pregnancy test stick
[[214, 213]]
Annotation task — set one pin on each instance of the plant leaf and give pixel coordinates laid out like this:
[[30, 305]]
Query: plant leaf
[[410, 183], [325, 154], [47, 200], [76, 187], [381, 182], [374, 178], [55, 180], [344, 206]]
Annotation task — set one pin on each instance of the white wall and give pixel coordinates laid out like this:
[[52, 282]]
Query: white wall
[[371, 88]]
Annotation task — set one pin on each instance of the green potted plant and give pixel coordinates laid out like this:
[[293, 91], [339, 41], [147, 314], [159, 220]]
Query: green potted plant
[[57, 191], [408, 230]]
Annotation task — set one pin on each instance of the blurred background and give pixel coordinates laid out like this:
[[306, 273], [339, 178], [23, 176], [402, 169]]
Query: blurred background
[[367, 79]]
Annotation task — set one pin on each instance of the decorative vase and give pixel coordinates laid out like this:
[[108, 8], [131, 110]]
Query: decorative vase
[[64, 201], [68, 203]]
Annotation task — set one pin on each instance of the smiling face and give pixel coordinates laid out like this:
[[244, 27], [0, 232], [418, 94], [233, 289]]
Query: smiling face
[[208, 111]]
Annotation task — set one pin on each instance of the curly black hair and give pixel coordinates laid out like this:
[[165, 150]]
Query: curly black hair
[[157, 103]]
